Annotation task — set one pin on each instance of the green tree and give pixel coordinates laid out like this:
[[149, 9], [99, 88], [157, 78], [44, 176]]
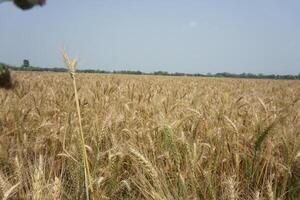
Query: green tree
[[26, 63]]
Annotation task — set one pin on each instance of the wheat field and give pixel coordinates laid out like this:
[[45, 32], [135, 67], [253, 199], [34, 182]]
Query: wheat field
[[149, 137]]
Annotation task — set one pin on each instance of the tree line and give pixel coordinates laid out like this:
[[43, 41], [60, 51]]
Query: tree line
[[27, 67]]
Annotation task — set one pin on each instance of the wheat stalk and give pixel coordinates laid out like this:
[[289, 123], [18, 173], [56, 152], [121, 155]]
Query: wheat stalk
[[6, 188], [57, 188], [72, 64], [145, 165], [38, 181], [231, 189]]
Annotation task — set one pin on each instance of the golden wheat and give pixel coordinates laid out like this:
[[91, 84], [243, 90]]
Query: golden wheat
[[148, 137]]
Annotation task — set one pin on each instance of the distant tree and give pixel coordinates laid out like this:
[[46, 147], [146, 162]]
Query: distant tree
[[161, 73], [178, 74], [26, 63]]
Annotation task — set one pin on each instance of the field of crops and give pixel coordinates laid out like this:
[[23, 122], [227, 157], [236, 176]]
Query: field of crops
[[150, 137]]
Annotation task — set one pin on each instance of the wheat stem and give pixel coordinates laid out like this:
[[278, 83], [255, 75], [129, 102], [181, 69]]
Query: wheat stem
[[87, 175]]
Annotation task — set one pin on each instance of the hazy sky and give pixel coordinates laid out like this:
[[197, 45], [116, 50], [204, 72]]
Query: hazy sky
[[257, 36]]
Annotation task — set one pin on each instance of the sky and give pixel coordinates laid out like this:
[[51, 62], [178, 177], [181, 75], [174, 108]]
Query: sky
[[190, 36]]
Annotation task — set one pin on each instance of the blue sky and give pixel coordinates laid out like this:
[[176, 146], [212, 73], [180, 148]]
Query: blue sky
[[192, 36]]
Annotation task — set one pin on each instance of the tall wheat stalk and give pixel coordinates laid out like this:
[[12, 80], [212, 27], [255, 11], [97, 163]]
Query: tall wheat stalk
[[72, 64]]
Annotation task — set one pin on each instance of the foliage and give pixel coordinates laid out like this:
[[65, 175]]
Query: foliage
[[164, 73], [5, 77], [26, 63]]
